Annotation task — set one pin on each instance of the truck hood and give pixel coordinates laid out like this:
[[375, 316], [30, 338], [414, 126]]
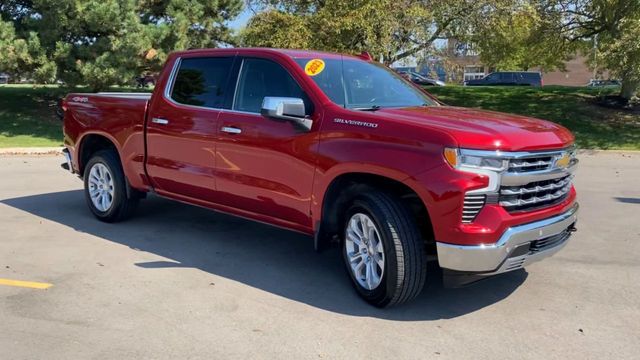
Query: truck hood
[[485, 130]]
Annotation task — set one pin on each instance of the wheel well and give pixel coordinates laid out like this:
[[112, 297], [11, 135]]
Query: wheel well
[[345, 188], [92, 144]]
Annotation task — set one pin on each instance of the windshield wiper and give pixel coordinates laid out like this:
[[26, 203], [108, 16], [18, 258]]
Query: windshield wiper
[[370, 108]]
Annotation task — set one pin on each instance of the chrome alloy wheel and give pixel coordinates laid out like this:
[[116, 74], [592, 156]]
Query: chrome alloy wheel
[[364, 251], [101, 187]]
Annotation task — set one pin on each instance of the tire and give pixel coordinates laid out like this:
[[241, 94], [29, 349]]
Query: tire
[[107, 173], [404, 260]]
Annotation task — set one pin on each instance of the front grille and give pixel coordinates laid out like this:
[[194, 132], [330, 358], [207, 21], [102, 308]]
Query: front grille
[[472, 206], [551, 241], [535, 195], [534, 163]]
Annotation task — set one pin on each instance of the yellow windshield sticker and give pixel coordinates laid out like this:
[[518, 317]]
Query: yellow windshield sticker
[[314, 67]]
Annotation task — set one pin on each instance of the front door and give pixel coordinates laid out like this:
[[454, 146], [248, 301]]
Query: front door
[[492, 79], [266, 166], [182, 128]]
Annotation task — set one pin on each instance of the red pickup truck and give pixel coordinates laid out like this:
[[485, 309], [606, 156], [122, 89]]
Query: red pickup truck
[[337, 147]]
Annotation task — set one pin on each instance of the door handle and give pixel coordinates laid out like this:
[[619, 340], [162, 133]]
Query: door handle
[[160, 121], [231, 130]]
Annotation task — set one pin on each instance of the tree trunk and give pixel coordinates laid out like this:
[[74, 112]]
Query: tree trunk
[[629, 88]]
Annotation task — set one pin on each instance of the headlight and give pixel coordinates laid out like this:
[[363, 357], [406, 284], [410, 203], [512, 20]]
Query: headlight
[[469, 160]]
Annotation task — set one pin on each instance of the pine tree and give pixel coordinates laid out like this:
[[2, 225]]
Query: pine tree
[[106, 42]]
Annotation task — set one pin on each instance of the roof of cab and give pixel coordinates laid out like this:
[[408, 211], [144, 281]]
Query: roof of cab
[[296, 54]]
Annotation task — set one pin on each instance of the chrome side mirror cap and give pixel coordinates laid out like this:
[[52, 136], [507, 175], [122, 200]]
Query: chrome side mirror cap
[[286, 108]]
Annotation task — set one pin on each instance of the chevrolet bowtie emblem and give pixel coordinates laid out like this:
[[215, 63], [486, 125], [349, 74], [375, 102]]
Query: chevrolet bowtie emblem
[[563, 161]]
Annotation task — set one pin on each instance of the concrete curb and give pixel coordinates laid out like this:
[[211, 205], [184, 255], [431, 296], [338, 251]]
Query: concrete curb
[[597, 151], [31, 151]]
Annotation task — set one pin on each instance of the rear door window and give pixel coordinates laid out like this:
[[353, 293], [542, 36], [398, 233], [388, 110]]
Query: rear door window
[[202, 81]]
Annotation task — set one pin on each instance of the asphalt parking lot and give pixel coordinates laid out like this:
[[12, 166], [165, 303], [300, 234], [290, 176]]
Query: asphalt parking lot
[[178, 281]]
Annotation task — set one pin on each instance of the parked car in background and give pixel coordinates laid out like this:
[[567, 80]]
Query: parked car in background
[[339, 148], [145, 81], [604, 83], [508, 78], [423, 80], [420, 79], [404, 74], [4, 79]]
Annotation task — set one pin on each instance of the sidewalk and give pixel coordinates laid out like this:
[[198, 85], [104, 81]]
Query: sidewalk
[[31, 151]]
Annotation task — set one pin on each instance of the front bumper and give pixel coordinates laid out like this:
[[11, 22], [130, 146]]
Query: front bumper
[[517, 247]]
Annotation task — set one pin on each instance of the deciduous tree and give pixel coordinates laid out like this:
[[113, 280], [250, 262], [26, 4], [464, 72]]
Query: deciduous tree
[[515, 39], [613, 25], [388, 29]]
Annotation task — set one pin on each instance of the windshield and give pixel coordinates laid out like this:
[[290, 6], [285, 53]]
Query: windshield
[[358, 84]]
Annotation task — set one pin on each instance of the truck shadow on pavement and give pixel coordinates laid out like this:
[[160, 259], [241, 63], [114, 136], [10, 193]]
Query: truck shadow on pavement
[[628, 200], [270, 259]]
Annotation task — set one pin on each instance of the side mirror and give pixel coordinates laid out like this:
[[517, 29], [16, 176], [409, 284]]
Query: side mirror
[[286, 108]]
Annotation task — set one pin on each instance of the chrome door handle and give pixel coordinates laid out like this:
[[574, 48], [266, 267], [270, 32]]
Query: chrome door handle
[[160, 121], [230, 130]]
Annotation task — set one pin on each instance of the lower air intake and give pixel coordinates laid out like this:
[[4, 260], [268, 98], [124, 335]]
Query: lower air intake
[[472, 206]]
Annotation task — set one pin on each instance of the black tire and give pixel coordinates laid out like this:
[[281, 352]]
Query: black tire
[[122, 206], [405, 257]]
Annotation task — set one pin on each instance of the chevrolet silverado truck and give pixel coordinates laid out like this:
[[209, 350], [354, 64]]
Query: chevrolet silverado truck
[[337, 147]]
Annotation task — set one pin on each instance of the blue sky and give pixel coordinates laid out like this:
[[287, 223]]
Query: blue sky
[[241, 20]]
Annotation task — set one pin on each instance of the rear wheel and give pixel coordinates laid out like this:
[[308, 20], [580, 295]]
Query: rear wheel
[[105, 188], [383, 251]]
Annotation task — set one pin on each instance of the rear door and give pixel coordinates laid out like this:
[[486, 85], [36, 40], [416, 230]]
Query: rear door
[[182, 127], [530, 78], [264, 165]]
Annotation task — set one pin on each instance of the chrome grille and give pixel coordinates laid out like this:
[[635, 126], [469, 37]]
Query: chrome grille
[[472, 206], [534, 163], [535, 195]]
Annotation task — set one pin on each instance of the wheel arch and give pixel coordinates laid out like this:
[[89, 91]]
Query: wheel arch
[[92, 142], [345, 186]]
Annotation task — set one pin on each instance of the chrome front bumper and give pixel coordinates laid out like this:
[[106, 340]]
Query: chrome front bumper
[[516, 248]]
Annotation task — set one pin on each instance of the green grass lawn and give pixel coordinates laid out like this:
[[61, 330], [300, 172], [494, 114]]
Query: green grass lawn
[[595, 127], [27, 113], [27, 116]]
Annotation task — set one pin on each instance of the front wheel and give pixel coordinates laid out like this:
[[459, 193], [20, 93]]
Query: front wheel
[[383, 251], [105, 188]]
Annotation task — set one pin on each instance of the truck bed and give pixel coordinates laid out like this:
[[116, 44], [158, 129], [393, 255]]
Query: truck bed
[[117, 116]]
